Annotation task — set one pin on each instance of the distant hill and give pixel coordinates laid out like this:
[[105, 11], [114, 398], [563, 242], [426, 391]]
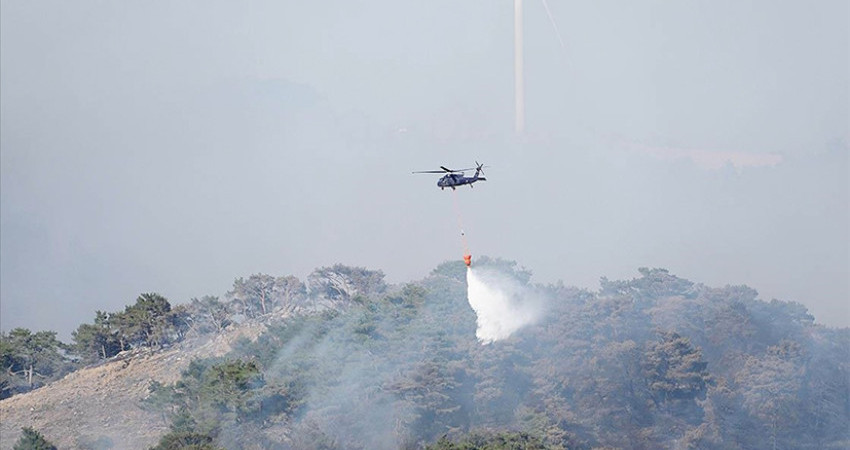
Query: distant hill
[[346, 361]]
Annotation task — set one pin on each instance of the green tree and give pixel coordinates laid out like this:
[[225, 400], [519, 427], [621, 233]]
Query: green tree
[[177, 440], [32, 440], [178, 323], [653, 284], [228, 386], [770, 385], [406, 303], [435, 391], [29, 359], [261, 293], [453, 270], [674, 369], [342, 283], [9, 381], [98, 341], [208, 315], [614, 396], [491, 441], [826, 398], [290, 292], [210, 396], [254, 294], [148, 322]]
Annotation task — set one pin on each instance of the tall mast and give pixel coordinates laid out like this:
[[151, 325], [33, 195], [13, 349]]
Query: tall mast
[[519, 89]]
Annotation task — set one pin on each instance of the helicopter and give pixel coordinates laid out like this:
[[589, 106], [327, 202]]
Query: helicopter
[[455, 178]]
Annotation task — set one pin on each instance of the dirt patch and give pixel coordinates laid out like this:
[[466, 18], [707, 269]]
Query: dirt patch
[[101, 406]]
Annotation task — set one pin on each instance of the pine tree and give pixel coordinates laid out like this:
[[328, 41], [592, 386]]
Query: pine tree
[[33, 440]]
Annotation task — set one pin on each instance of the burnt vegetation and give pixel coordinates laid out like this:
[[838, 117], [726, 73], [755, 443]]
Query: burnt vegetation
[[348, 361]]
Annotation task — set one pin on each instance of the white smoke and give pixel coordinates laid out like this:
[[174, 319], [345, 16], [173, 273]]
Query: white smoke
[[502, 305]]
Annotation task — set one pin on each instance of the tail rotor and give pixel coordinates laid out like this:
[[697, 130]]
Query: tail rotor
[[479, 168]]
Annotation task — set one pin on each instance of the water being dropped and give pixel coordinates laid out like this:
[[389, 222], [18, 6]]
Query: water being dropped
[[502, 306]]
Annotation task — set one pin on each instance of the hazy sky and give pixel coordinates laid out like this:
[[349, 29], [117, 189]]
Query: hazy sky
[[174, 146]]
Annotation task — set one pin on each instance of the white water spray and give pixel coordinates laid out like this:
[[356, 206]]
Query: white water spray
[[501, 304]]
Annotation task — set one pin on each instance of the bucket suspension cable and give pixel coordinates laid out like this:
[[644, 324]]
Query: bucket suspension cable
[[467, 257]]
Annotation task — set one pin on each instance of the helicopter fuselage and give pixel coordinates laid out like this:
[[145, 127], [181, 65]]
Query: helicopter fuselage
[[454, 180]]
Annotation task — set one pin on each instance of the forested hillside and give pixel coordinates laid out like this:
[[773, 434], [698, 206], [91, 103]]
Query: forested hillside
[[347, 361]]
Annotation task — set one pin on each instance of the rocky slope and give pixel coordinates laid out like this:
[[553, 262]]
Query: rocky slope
[[100, 407]]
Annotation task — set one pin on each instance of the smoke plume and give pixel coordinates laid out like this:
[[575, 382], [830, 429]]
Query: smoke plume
[[502, 305]]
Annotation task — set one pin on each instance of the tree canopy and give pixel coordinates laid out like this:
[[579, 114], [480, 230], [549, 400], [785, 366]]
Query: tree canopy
[[348, 361]]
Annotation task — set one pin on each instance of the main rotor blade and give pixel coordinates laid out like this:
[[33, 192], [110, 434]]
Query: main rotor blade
[[554, 25], [482, 166], [447, 170]]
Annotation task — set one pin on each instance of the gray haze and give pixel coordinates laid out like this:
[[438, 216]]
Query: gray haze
[[173, 146]]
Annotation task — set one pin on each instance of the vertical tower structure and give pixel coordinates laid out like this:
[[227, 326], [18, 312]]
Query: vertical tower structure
[[519, 83]]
